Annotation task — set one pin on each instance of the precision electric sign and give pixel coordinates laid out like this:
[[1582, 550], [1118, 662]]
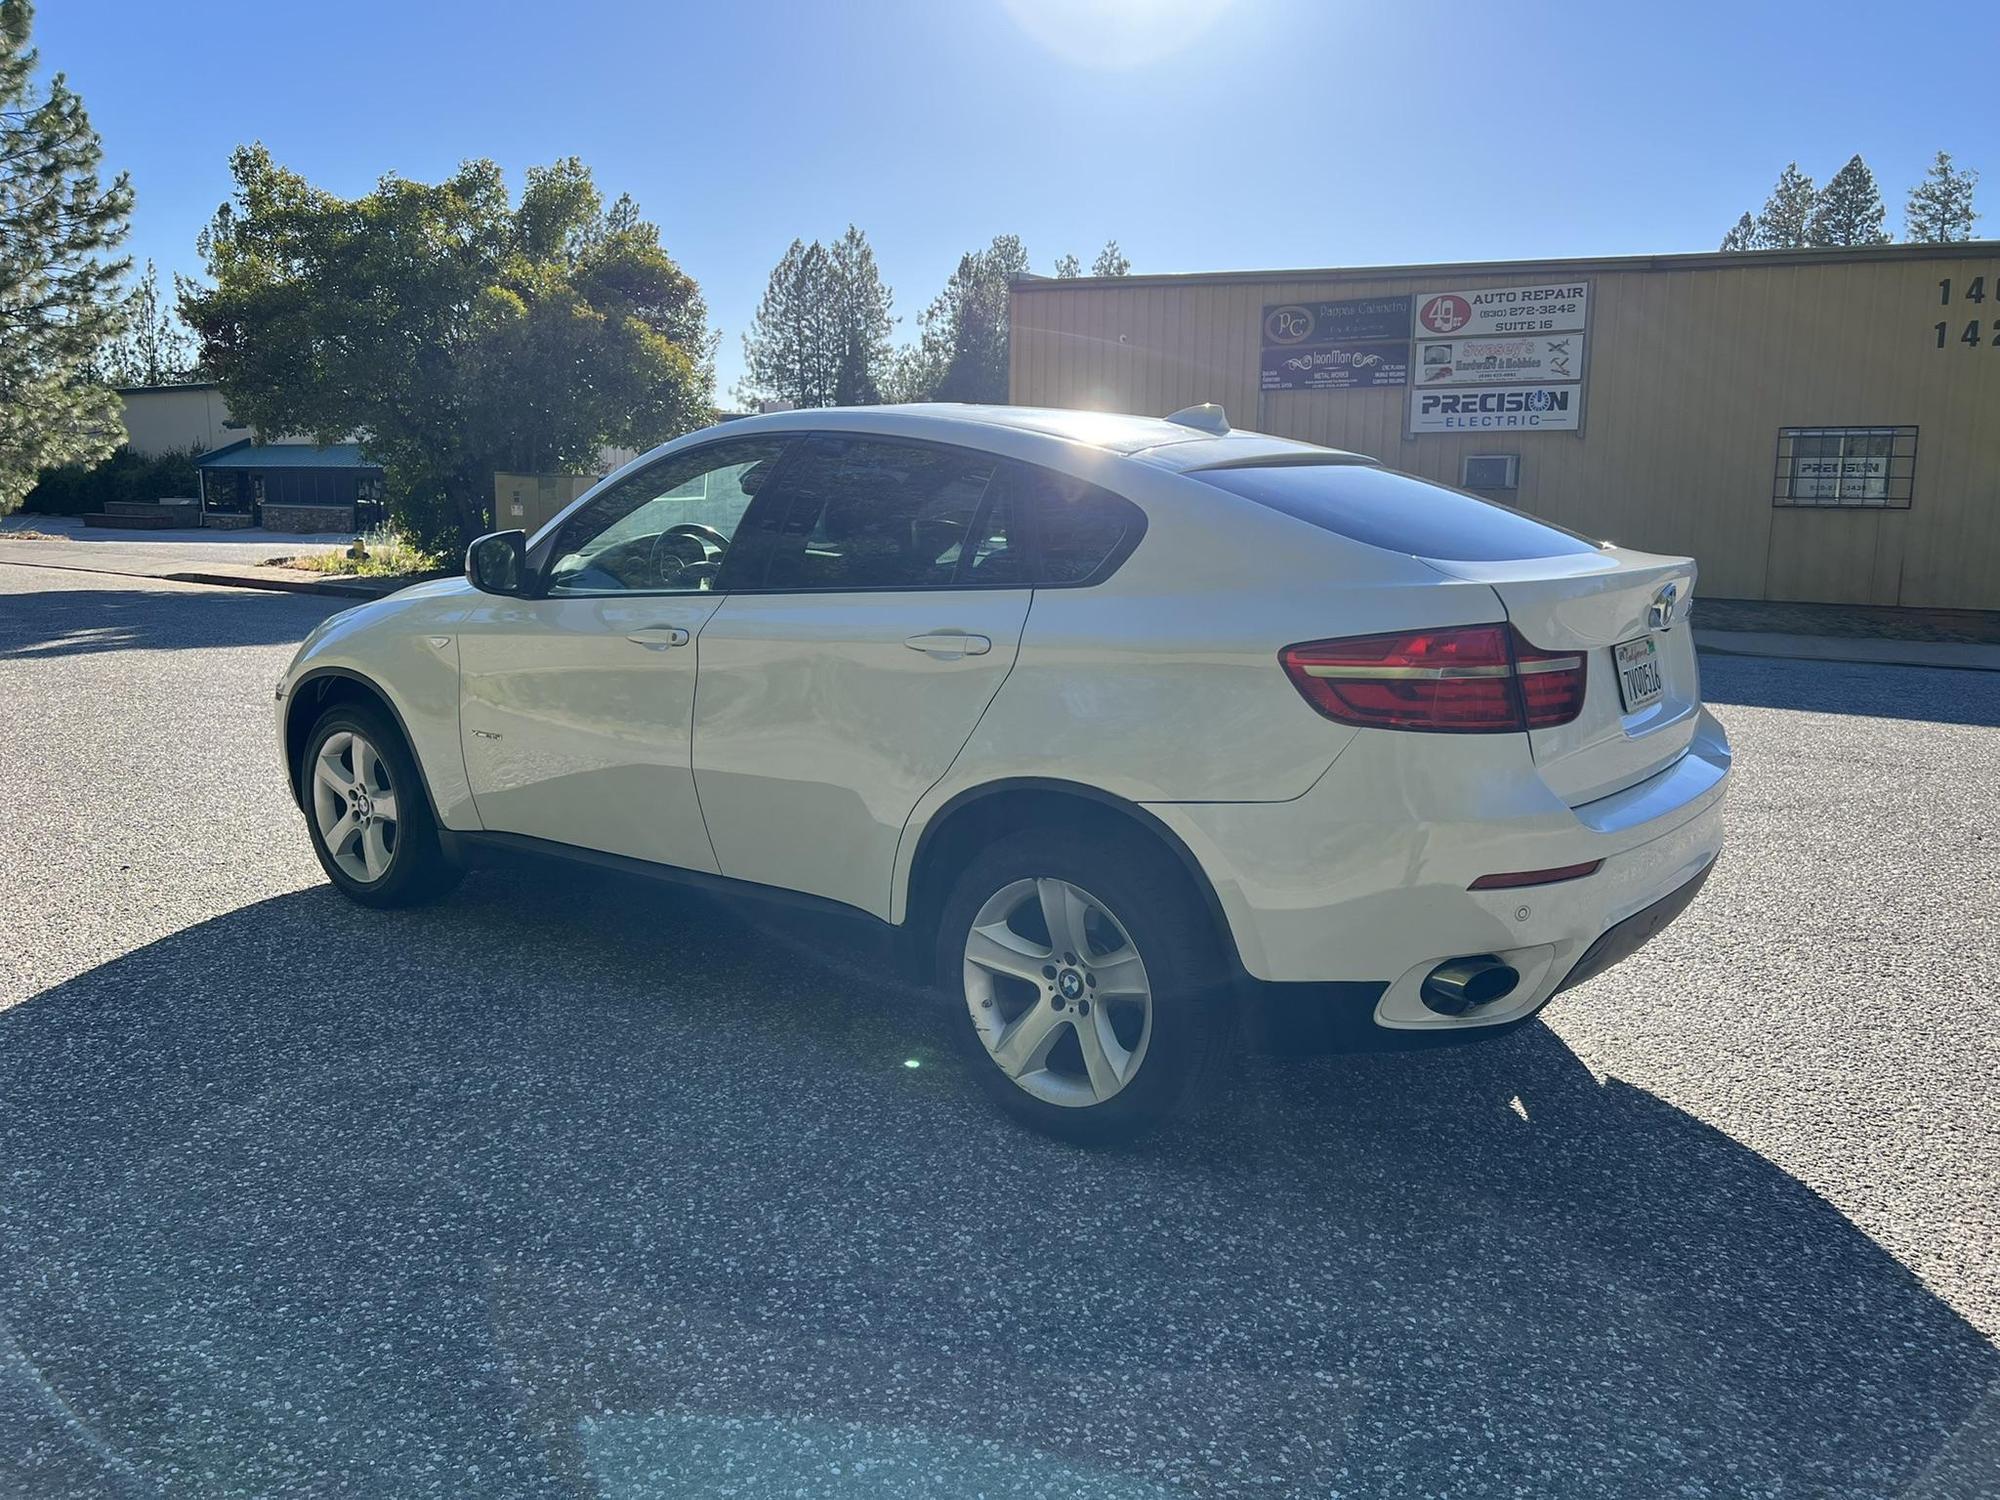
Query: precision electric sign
[[1521, 345]]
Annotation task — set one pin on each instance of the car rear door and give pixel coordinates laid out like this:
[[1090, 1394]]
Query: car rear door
[[835, 692]]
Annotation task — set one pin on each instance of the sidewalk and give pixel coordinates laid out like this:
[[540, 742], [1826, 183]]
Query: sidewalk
[[228, 559], [1868, 650]]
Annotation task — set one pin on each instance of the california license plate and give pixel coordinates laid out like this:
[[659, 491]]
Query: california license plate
[[1638, 664]]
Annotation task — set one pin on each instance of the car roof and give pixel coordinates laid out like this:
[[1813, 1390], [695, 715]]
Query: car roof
[[1155, 440]]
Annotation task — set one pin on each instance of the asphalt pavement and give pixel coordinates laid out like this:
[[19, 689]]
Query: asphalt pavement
[[576, 1187]]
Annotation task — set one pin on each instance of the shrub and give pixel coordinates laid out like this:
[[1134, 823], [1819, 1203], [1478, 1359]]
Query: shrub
[[74, 490]]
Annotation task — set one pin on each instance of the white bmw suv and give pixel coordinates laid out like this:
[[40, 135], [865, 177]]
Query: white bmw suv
[[1114, 724]]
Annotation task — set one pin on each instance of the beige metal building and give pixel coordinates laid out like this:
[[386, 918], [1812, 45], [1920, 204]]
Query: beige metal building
[[1812, 425]]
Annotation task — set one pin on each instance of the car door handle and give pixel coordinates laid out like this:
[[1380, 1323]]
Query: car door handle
[[658, 637], [950, 643]]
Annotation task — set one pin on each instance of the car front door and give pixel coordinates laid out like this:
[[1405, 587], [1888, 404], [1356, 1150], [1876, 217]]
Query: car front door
[[577, 704], [842, 685]]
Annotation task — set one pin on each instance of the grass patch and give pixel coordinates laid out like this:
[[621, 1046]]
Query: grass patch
[[386, 555]]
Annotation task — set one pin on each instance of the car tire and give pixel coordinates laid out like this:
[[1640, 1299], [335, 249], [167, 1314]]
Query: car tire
[[1094, 1045], [370, 820]]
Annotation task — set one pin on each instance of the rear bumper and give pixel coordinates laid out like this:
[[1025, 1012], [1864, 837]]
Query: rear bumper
[[1364, 880]]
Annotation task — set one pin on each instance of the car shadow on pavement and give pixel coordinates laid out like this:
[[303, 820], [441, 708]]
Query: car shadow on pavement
[[571, 1186], [1932, 694], [160, 617]]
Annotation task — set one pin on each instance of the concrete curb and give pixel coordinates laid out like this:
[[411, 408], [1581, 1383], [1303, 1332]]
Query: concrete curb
[[339, 588], [1859, 651], [345, 588]]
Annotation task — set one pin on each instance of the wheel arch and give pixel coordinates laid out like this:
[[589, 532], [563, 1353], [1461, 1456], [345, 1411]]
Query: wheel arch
[[327, 687], [977, 815]]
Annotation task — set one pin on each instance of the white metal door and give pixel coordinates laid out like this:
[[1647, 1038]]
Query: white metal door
[[822, 718]]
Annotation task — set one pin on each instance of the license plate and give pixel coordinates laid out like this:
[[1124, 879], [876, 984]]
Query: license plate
[[1638, 665]]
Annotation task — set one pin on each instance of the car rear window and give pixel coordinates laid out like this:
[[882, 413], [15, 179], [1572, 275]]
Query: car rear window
[[1398, 512]]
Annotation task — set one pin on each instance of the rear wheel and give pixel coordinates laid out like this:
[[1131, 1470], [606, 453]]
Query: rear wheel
[[371, 824], [1089, 978]]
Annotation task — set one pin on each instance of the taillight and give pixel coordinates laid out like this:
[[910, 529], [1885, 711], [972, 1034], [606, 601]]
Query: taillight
[[1469, 679]]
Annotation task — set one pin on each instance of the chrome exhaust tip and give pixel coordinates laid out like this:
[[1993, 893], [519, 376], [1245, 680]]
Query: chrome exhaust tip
[[1462, 984]]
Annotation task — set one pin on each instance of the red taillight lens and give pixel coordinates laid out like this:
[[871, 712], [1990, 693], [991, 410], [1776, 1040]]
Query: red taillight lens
[[1551, 683], [1470, 679]]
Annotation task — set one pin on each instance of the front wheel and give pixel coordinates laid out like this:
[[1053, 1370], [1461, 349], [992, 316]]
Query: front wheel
[[371, 823], [1089, 977]]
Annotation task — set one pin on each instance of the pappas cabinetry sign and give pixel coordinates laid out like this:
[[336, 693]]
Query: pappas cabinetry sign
[[1520, 349]]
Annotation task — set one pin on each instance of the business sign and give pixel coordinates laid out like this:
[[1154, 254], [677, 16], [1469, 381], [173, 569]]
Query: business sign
[[1498, 310], [1335, 367], [1499, 359], [1343, 345], [1543, 358], [1356, 320], [1536, 408], [1850, 478]]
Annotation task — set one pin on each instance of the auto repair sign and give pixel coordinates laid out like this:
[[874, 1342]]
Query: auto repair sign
[[1535, 408], [1498, 310]]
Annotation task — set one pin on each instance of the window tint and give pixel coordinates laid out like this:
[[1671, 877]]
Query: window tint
[[1398, 512], [865, 513], [666, 528], [1079, 526]]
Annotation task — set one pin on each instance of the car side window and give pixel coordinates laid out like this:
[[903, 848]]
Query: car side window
[[665, 529], [1081, 531], [873, 513]]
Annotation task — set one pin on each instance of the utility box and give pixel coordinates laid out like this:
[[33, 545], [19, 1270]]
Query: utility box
[[528, 502]]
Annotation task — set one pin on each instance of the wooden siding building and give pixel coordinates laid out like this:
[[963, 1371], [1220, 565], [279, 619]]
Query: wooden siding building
[[1811, 426]]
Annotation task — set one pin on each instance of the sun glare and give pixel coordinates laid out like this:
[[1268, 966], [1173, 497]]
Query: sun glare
[[1115, 33]]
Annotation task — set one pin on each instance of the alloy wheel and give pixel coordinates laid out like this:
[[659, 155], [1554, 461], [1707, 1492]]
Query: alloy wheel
[[354, 805], [1058, 992]]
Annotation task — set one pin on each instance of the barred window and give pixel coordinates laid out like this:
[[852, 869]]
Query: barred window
[[1845, 466]]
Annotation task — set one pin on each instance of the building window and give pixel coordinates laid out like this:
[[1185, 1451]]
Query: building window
[[1845, 466]]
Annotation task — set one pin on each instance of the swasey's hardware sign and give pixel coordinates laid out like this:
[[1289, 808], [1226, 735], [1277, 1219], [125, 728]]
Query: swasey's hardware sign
[[1538, 408], [1548, 358]]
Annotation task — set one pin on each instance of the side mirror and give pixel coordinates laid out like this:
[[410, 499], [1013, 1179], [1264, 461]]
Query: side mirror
[[498, 563]]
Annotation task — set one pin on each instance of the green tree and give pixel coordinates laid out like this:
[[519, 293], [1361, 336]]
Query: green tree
[[1110, 261], [1785, 222], [1743, 236], [861, 321], [789, 351], [456, 331], [1849, 209], [961, 349], [59, 309], [1939, 210], [1068, 268], [157, 348]]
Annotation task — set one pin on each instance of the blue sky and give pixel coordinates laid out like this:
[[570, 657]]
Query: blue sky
[[1200, 134]]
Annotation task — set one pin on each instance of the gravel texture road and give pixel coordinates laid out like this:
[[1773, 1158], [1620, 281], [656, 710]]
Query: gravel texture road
[[574, 1187]]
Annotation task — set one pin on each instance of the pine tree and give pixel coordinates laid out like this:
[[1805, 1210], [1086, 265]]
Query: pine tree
[[1743, 236], [1110, 261], [157, 348], [1940, 208], [961, 351], [1785, 223], [861, 321], [789, 351], [1068, 268], [1849, 210], [59, 310]]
